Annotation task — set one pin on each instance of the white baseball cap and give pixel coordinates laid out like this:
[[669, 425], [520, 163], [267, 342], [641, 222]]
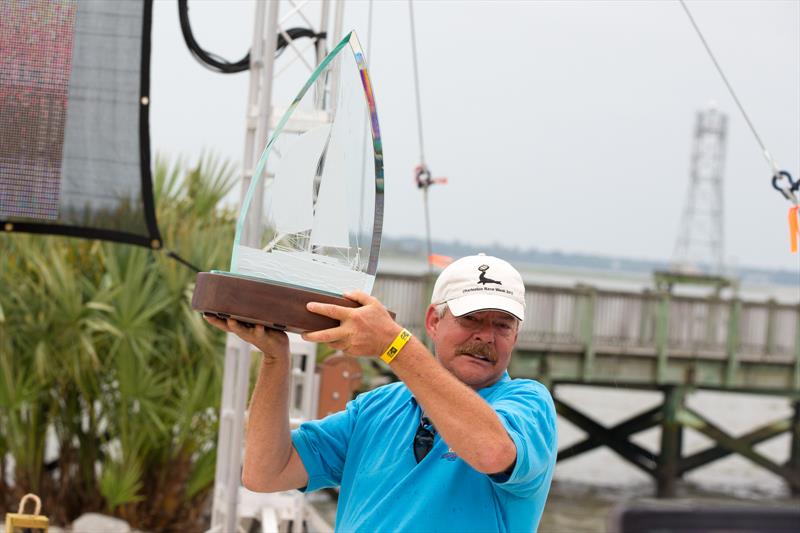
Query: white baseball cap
[[480, 283]]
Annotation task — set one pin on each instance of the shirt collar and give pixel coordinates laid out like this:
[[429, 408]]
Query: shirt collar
[[483, 393], [486, 391]]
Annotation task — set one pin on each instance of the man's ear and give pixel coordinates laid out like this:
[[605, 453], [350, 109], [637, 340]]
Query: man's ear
[[431, 321]]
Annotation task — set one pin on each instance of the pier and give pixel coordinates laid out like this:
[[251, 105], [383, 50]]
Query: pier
[[652, 340]]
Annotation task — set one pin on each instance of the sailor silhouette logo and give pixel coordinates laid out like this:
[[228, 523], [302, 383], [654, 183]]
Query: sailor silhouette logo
[[483, 280]]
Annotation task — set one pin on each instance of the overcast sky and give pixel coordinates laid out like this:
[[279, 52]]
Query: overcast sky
[[560, 125]]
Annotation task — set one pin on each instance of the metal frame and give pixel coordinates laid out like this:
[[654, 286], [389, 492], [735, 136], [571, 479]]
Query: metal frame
[[267, 25]]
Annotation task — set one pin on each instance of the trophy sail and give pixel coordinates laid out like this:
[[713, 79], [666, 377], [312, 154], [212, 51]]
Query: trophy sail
[[317, 227], [317, 233]]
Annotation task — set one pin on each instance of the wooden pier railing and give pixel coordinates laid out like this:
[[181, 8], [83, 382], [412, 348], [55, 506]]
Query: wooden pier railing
[[655, 340], [586, 335]]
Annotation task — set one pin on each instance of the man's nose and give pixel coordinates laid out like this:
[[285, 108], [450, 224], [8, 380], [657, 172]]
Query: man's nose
[[484, 332]]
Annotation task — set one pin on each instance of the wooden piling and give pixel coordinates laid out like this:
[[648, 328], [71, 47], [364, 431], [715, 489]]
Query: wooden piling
[[669, 458]]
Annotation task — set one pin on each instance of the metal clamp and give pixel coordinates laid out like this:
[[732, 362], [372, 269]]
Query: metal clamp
[[424, 179], [422, 176], [789, 191]]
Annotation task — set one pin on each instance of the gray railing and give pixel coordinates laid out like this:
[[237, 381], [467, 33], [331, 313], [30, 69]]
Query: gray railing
[[647, 323]]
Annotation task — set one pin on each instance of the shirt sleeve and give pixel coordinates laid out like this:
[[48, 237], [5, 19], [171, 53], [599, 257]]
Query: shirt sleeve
[[529, 417], [322, 446]]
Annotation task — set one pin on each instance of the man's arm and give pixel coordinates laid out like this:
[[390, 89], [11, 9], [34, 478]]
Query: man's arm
[[270, 461], [465, 420]]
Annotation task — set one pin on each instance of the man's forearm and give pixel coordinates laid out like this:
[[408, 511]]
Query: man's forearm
[[268, 445], [466, 422]]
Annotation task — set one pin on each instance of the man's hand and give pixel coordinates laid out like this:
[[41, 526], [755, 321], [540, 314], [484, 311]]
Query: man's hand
[[363, 331], [272, 343]]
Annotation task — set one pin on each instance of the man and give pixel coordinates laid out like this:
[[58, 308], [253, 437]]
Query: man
[[456, 445]]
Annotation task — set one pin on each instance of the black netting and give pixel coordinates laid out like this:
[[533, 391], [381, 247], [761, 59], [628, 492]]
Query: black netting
[[74, 141]]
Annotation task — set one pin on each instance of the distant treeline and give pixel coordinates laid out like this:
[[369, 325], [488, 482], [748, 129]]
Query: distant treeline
[[410, 246]]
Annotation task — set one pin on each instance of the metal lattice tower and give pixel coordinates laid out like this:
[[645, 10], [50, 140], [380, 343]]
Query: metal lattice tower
[[701, 238]]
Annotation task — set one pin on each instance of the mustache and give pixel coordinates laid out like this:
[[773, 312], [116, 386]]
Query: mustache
[[477, 348]]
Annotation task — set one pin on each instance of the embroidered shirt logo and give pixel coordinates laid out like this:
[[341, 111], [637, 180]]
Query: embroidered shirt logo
[[483, 280], [450, 455]]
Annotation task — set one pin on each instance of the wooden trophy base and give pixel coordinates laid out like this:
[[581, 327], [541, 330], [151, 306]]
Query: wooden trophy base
[[262, 302]]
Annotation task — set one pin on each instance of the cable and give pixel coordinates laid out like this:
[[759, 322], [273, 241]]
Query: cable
[[181, 260], [775, 168], [788, 191], [422, 169], [416, 83], [209, 60], [369, 28], [223, 66]]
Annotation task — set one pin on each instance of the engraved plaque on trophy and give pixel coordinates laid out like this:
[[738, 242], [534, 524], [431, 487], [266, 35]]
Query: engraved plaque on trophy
[[316, 234]]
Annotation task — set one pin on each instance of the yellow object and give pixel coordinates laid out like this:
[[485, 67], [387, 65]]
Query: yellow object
[[397, 345], [20, 520]]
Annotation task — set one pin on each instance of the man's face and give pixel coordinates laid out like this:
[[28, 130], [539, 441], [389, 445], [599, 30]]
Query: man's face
[[475, 348]]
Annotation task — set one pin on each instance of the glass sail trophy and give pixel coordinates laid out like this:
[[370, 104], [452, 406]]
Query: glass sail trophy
[[310, 224]]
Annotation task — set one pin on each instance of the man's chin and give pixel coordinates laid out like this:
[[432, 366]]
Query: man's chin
[[477, 374]]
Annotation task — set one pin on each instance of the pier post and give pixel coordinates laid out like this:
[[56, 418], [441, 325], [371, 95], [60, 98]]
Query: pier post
[[794, 455], [587, 331], [732, 344], [668, 470], [662, 337]]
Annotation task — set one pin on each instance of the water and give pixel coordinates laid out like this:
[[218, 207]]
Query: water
[[588, 487], [735, 413]]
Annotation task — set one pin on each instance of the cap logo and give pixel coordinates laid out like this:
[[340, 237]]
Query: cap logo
[[483, 280]]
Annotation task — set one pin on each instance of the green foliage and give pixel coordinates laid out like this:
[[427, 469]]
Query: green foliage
[[109, 382], [120, 484]]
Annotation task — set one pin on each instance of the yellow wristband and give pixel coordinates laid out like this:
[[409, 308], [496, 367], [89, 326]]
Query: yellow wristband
[[397, 345]]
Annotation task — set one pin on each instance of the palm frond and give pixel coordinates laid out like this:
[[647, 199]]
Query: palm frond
[[99, 347]]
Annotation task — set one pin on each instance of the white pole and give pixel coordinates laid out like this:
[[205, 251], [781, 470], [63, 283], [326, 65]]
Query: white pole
[[224, 515]]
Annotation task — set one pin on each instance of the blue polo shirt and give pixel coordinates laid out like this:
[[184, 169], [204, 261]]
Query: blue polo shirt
[[367, 450]]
